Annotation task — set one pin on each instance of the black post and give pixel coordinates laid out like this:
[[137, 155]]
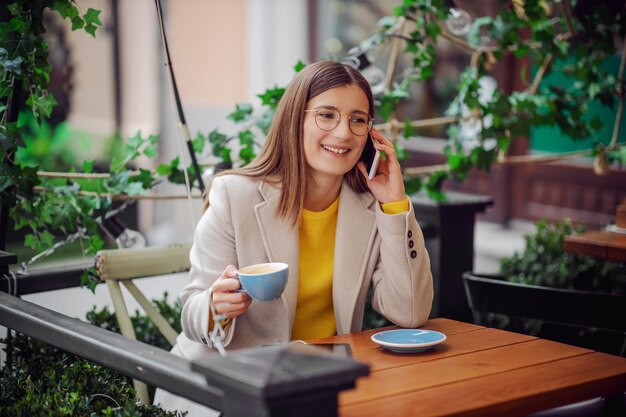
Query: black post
[[452, 249]]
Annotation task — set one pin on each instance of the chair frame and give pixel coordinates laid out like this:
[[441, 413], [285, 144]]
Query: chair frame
[[492, 294]]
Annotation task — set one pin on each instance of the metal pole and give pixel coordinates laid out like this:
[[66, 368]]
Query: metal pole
[[179, 106]]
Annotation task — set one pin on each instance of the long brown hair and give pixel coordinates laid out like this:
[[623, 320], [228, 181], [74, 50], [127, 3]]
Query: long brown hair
[[280, 161]]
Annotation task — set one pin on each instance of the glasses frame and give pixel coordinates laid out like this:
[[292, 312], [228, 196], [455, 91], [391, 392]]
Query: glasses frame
[[370, 121]]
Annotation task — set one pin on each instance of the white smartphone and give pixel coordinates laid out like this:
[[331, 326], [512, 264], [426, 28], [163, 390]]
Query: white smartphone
[[370, 158]]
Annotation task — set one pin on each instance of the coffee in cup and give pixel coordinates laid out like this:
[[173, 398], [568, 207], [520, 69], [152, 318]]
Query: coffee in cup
[[264, 282]]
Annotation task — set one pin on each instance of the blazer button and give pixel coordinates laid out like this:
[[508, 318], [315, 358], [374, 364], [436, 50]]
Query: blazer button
[[411, 243], [410, 234], [413, 254]]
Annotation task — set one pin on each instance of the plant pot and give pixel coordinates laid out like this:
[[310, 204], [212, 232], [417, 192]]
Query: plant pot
[[588, 319]]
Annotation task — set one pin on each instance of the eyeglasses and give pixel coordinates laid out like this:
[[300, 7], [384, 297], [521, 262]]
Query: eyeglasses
[[328, 118]]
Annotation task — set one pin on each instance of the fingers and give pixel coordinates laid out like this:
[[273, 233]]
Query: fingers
[[230, 272], [231, 304], [375, 133], [226, 301], [385, 145], [226, 285], [232, 310]]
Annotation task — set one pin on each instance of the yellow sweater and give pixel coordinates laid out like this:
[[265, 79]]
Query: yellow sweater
[[315, 316]]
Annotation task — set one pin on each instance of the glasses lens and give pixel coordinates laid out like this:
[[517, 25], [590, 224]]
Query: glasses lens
[[360, 123], [326, 118]]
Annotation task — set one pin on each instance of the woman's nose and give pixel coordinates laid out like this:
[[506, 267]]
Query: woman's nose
[[342, 131]]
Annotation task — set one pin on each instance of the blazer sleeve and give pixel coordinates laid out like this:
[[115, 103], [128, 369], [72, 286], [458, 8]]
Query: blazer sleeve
[[213, 249], [402, 281]]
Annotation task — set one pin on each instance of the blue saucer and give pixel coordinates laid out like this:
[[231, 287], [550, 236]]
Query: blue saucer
[[408, 340]]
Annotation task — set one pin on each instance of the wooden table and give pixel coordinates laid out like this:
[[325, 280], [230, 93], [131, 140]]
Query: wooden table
[[476, 371], [610, 246]]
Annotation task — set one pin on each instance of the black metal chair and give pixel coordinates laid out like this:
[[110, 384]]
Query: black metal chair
[[565, 315]]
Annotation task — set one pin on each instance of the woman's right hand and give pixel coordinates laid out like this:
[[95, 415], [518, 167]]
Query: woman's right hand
[[226, 301]]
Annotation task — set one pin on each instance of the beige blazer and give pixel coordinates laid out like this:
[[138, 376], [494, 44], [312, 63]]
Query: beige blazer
[[372, 248]]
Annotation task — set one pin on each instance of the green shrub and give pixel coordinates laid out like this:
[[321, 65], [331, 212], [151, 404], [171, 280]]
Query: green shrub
[[145, 330], [41, 380], [543, 262]]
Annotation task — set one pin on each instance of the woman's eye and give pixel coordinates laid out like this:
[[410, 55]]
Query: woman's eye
[[326, 115], [358, 120]]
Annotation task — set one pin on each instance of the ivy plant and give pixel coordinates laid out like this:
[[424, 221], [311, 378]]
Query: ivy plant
[[24, 75], [39, 379], [581, 39], [543, 262]]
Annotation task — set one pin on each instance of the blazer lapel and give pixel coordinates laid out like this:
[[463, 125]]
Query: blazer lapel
[[280, 242], [356, 223]]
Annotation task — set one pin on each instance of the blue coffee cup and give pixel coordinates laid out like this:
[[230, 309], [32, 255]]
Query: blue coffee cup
[[264, 282]]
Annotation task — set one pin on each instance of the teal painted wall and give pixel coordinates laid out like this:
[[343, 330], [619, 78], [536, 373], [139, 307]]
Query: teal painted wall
[[551, 139]]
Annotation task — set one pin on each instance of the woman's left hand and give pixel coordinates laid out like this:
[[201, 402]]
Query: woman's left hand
[[388, 184]]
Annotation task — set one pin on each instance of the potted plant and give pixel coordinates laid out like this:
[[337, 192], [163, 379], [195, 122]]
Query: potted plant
[[552, 294]]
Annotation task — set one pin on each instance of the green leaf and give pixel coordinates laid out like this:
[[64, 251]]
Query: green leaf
[[413, 185], [150, 151], [134, 188], [242, 112], [94, 244], [88, 166], [145, 178], [30, 241], [46, 239], [246, 154], [77, 23], [401, 153], [92, 17], [117, 164], [5, 182], [42, 105], [434, 184], [593, 89], [15, 8], [198, 142], [299, 66], [166, 169], [246, 137], [409, 130], [65, 8], [432, 30], [87, 281], [13, 65], [225, 155], [271, 97], [19, 24], [91, 29]]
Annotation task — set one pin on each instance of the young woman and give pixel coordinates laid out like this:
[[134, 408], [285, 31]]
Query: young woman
[[306, 201]]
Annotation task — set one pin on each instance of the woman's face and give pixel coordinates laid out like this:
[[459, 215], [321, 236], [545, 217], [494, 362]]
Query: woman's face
[[332, 153]]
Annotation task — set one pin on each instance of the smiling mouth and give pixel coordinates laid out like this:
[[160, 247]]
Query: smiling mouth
[[337, 151]]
